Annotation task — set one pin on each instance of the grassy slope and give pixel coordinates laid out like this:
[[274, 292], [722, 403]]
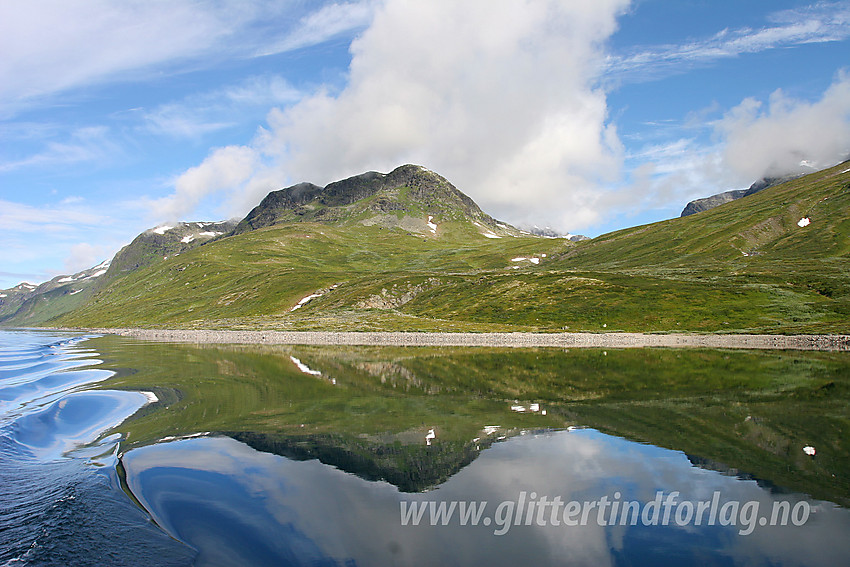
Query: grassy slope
[[762, 226], [56, 298], [256, 278], [44, 307], [743, 267]]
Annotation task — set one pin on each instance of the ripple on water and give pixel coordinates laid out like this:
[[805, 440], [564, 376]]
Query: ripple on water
[[74, 420], [58, 509], [66, 513]]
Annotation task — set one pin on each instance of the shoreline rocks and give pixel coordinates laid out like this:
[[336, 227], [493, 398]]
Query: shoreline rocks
[[512, 340]]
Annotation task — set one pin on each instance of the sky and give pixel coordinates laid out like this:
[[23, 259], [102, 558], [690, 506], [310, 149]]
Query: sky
[[585, 116]]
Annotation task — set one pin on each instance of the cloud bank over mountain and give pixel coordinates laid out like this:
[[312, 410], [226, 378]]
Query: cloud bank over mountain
[[587, 117], [787, 135], [510, 106], [504, 104]]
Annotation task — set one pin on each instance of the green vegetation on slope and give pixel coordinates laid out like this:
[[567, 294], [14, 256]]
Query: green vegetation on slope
[[745, 267], [266, 272], [36, 305], [758, 232]]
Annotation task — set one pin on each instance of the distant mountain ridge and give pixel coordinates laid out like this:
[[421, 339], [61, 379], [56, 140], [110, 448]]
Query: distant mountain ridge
[[167, 240], [549, 232], [408, 251], [54, 297], [706, 203], [32, 304]]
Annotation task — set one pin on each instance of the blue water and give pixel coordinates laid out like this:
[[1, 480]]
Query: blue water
[[60, 499], [212, 500]]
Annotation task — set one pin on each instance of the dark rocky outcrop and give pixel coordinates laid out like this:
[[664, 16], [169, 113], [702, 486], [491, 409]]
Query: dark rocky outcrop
[[706, 203], [406, 189]]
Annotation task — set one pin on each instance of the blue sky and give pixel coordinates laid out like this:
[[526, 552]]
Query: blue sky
[[584, 116]]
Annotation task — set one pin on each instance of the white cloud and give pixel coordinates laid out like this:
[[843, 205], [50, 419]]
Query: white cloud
[[226, 169], [774, 139], [325, 23], [818, 23], [21, 218], [50, 46], [752, 140], [200, 114], [499, 100], [83, 255], [181, 121], [506, 104], [52, 234], [88, 144]]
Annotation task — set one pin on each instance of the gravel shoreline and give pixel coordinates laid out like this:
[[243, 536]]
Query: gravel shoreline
[[516, 340]]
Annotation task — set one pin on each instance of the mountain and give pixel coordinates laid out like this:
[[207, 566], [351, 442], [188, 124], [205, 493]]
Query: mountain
[[409, 197], [409, 201], [166, 240], [410, 467], [408, 251], [706, 203], [364, 247], [550, 232], [30, 304]]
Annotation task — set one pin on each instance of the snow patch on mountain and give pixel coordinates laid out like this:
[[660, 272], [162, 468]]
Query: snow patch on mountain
[[431, 225]]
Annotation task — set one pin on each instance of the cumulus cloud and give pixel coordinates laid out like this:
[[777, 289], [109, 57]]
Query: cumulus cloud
[[787, 135], [507, 104], [226, 168], [499, 99], [752, 140]]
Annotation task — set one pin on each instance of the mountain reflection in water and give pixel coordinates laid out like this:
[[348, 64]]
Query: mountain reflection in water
[[240, 506], [309, 455]]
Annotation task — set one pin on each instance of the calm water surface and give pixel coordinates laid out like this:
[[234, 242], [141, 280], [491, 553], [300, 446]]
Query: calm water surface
[[119, 452]]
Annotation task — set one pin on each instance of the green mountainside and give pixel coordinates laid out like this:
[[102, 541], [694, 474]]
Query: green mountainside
[[403, 198], [30, 304], [746, 266], [750, 233], [408, 251], [364, 246], [161, 242]]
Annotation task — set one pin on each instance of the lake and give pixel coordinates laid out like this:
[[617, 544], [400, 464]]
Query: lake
[[117, 451]]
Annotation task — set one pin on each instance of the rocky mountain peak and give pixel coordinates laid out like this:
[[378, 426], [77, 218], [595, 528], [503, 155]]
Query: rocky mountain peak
[[367, 198]]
